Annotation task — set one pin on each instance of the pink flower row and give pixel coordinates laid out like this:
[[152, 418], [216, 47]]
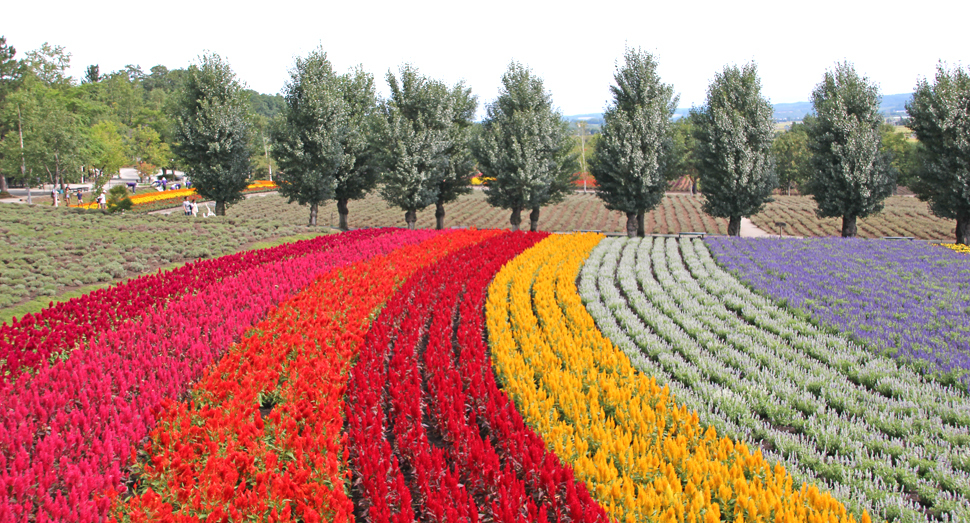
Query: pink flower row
[[67, 433], [30, 341]]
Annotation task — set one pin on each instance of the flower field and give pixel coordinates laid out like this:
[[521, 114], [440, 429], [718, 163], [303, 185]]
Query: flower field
[[875, 290], [386, 375], [877, 435], [163, 199]]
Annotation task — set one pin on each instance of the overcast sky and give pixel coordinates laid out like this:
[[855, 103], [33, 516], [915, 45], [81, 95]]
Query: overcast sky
[[573, 46]]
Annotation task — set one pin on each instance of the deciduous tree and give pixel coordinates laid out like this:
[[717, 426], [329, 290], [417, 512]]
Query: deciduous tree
[[524, 148], [733, 132], [633, 157], [940, 117], [851, 175], [792, 157], [320, 143], [424, 136], [212, 132]]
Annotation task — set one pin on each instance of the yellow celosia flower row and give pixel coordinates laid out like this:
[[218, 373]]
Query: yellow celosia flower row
[[959, 247], [151, 197], [643, 457]]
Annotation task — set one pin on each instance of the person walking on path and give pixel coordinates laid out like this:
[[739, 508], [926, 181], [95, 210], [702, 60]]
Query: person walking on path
[[195, 207], [79, 197], [186, 206]]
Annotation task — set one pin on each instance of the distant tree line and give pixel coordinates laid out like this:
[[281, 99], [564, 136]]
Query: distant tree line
[[330, 137]]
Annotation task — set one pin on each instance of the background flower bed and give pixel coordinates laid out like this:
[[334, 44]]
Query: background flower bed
[[909, 299], [47, 251]]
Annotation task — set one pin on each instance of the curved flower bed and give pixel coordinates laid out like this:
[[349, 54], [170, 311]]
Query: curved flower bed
[[431, 437], [67, 431], [876, 290], [832, 412], [37, 339], [642, 456], [261, 434], [142, 201]]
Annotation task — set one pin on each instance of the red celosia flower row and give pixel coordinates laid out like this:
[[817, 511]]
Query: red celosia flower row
[[431, 436], [67, 431], [29, 342], [221, 456]]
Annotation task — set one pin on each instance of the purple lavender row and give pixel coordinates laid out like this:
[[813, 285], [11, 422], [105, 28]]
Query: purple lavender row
[[909, 299]]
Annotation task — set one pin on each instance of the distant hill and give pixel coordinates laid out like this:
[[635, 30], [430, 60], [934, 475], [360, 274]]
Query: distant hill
[[892, 105]]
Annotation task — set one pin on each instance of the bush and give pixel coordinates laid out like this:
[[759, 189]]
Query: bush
[[118, 199]]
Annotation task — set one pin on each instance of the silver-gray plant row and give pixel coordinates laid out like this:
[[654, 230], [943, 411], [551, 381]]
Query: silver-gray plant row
[[873, 432]]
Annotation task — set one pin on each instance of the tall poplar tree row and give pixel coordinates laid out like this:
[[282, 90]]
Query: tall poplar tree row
[[525, 147], [634, 154], [423, 137], [940, 117], [851, 175], [212, 131], [734, 132], [320, 142]]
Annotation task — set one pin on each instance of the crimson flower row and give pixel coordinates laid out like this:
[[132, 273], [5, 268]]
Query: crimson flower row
[[30, 341], [223, 455], [67, 432], [431, 436]]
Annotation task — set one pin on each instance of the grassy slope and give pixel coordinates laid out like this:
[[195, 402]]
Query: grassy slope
[[55, 254]]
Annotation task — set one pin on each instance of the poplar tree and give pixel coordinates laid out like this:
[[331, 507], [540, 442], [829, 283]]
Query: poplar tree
[[212, 132], [851, 175], [633, 156], [320, 141], [940, 117], [424, 139], [525, 148], [733, 132]]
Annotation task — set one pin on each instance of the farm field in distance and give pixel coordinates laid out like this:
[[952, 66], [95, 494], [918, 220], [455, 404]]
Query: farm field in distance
[[55, 253]]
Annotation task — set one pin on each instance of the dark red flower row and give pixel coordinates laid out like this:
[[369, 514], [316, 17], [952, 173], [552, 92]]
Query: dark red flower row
[[431, 436], [67, 431]]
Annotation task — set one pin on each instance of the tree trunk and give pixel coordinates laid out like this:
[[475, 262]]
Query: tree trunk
[[314, 207], [516, 218], [631, 224], [3, 184], [343, 211], [439, 215], [220, 208], [640, 230], [534, 219], [734, 226], [848, 226], [411, 218], [963, 228]]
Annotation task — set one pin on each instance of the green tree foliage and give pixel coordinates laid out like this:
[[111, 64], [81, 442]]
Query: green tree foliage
[[92, 75], [212, 132], [792, 157], [423, 138], [49, 64], [105, 153], [904, 152], [684, 155], [733, 132], [525, 146], [10, 73], [118, 199], [851, 175], [940, 117], [320, 141], [147, 146], [633, 156], [52, 137]]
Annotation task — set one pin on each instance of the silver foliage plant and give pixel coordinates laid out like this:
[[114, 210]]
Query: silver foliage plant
[[861, 425]]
